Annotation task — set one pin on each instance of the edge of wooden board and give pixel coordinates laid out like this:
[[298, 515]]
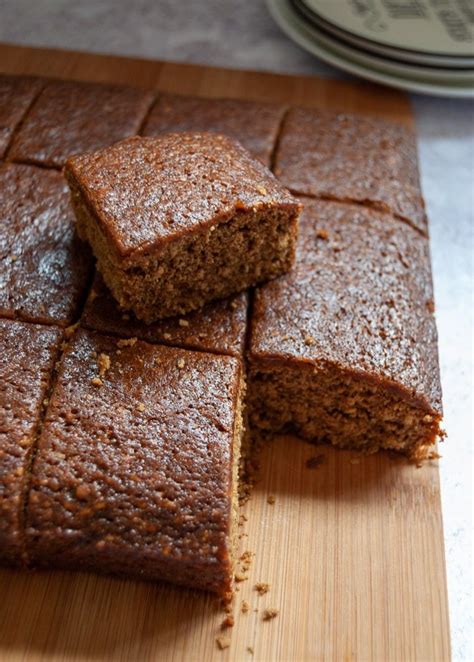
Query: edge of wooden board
[[122, 619], [186, 78]]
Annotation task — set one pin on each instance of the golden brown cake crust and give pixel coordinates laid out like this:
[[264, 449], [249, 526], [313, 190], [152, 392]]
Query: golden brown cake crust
[[27, 355], [16, 96], [352, 158], [357, 304], [44, 267], [133, 473], [360, 295], [255, 125], [72, 117]]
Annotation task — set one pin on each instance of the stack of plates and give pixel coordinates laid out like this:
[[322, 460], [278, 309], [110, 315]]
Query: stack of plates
[[422, 45]]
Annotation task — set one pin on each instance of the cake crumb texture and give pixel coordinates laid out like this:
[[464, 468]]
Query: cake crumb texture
[[135, 489], [48, 277], [71, 117], [352, 158], [17, 93]]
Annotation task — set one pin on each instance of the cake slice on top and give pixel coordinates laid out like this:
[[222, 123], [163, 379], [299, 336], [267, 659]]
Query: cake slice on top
[[180, 220]]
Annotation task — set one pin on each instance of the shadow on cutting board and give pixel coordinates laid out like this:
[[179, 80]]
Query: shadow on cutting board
[[82, 616], [76, 614]]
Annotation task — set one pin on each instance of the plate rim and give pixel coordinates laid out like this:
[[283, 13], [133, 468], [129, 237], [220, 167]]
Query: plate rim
[[277, 9]]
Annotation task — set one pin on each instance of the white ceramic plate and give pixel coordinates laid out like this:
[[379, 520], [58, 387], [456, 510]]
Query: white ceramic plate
[[371, 28], [407, 77]]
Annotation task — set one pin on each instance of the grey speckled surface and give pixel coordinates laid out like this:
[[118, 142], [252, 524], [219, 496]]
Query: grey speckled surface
[[241, 34]]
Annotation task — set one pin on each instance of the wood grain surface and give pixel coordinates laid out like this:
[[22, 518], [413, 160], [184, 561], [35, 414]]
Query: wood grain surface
[[352, 549]]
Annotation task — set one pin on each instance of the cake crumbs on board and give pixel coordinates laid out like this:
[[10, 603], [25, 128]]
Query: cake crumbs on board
[[246, 559], [222, 642], [262, 588], [270, 614], [228, 622], [240, 577]]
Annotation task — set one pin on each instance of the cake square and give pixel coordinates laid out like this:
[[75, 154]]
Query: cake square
[[254, 124], [219, 327], [27, 355], [74, 117], [180, 220], [16, 96], [44, 267], [136, 468], [343, 349], [352, 158]]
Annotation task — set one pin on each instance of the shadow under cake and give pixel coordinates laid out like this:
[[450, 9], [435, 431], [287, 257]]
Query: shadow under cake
[[27, 356], [136, 468], [219, 327], [254, 124], [44, 267], [180, 220], [343, 349]]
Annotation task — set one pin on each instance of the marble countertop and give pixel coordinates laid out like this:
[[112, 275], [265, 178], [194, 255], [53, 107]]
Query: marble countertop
[[242, 35]]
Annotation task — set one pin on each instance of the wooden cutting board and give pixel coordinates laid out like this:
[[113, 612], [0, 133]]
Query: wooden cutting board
[[352, 549]]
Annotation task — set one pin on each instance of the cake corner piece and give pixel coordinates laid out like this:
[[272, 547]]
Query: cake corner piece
[[178, 220]]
